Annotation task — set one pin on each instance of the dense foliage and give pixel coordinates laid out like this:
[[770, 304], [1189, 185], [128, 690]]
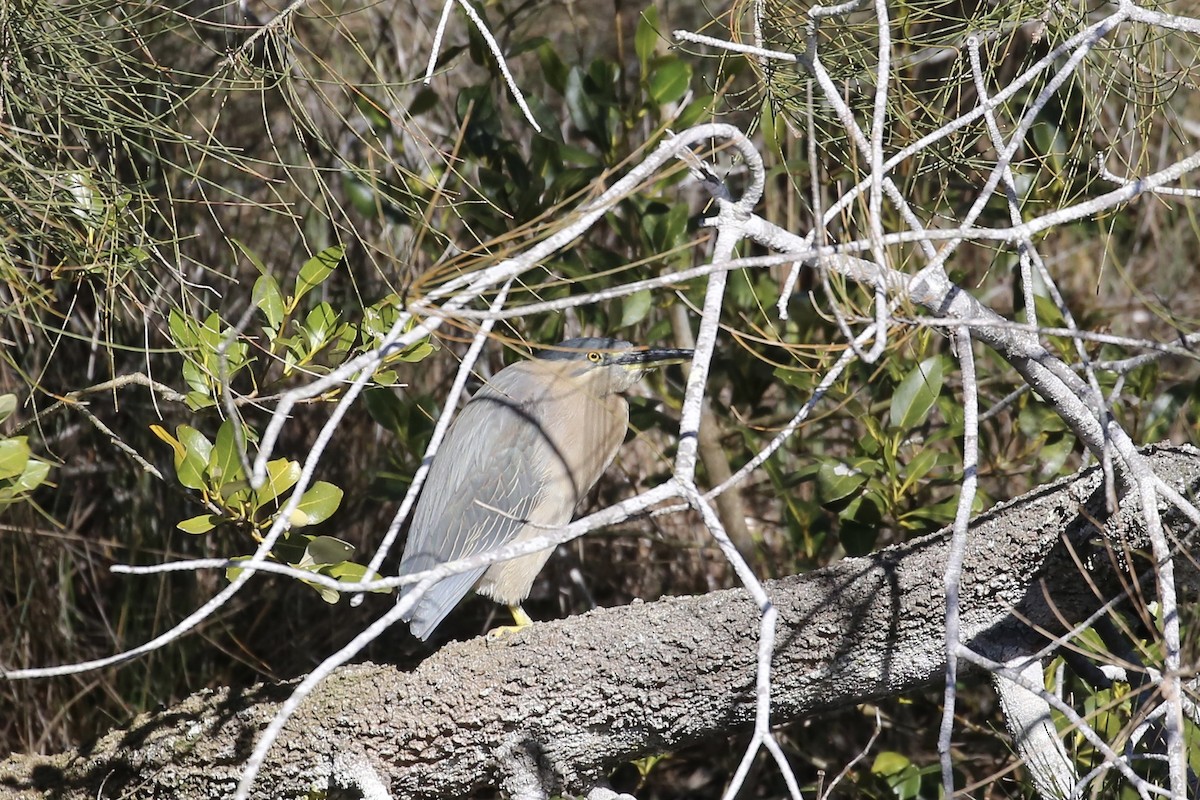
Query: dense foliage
[[199, 213]]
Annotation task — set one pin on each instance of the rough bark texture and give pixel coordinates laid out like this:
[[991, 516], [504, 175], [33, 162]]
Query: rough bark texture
[[586, 694]]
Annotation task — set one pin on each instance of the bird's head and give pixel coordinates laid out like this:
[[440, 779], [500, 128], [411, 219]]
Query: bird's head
[[610, 365]]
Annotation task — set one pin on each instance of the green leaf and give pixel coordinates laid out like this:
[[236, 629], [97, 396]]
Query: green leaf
[[8, 404], [920, 466], [701, 106], [373, 110], [1053, 455], [325, 550], [33, 476], [1036, 420], [837, 480], [196, 451], [290, 549], [319, 324], [646, 39], [224, 464], [232, 573], [350, 572], [316, 270], [269, 300], [916, 394], [902, 776], [13, 490], [252, 256], [386, 409], [865, 509], [209, 334], [932, 516], [361, 195], [379, 318], [581, 104], [198, 400], [237, 357], [196, 378], [674, 229], [317, 505], [669, 81], [857, 538], [889, 763], [345, 336], [282, 475], [635, 307], [194, 441], [802, 379], [197, 525], [14, 455], [330, 596], [182, 330], [234, 493], [417, 351], [567, 153], [426, 100], [553, 69]]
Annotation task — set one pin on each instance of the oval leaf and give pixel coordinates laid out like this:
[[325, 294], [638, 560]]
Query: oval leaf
[[330, 596], [319, 324], [224, 465], [317, 505], [269, 300], [196, 450], [635, 307], [34, 475], [253, 256], [920, 466], [317, 269], [916, 394], [646, 39], [14, 455], [669, 81], [837, 480], [182, 330], [889, 763], [197, 525], [350, 572], [282, 475], [232, 573], [326, 550], [8, 404]]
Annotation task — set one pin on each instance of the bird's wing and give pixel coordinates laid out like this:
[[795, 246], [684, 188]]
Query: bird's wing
[[489, 474]]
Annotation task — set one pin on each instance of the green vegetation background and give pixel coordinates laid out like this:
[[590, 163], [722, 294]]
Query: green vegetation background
[[186, 205]]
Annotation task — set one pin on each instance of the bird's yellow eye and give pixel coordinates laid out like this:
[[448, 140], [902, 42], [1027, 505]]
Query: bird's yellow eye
[[595, 357]]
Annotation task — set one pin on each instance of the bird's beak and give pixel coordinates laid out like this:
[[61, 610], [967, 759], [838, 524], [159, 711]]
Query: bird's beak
[[651, 358]]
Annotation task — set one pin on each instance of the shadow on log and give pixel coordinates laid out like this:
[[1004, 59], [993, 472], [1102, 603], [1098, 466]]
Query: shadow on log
[[584, 695]]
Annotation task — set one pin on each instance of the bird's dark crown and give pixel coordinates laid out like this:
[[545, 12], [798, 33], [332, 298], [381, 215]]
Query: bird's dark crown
[[578, 349]]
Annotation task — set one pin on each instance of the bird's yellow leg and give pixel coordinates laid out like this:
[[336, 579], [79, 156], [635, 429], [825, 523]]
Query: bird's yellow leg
[[520, 619]]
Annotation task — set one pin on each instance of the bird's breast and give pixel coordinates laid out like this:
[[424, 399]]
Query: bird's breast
[[581, 442]]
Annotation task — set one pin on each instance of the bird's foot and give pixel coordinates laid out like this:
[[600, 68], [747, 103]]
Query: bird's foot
[[521, 620]]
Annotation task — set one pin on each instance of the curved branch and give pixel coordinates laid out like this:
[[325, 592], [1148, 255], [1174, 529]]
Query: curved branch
[[592, 692]]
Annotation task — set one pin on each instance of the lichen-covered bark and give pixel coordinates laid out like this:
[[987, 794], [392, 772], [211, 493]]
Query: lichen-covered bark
[[589, 693]]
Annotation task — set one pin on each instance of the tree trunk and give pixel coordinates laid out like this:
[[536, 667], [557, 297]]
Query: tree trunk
[[586, 694]]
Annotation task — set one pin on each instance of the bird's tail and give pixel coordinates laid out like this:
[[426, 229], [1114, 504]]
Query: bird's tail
[[439, 600]]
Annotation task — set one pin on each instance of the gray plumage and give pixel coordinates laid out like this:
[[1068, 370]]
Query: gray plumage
[[525, 450]]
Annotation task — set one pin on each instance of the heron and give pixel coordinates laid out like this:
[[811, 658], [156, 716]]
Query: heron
[[515, 463]]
